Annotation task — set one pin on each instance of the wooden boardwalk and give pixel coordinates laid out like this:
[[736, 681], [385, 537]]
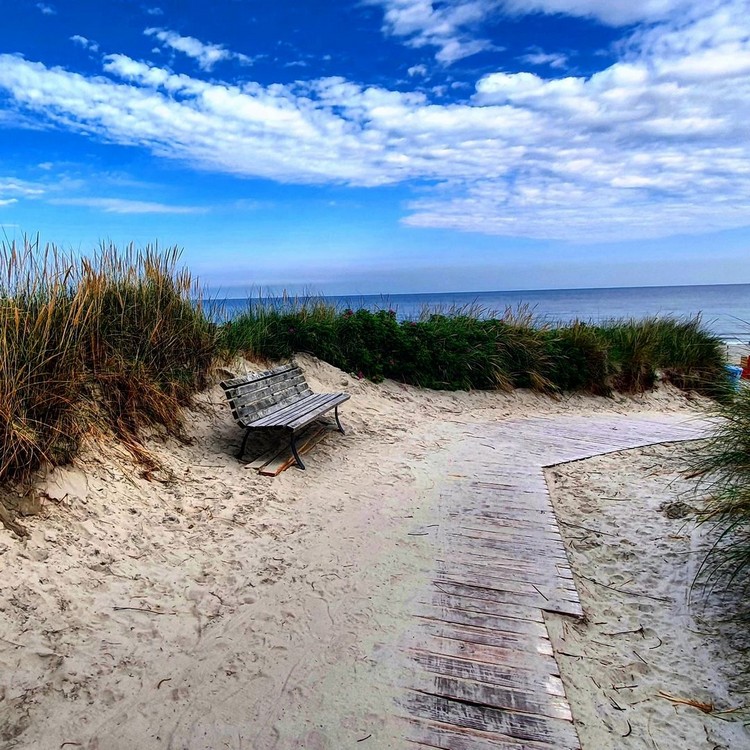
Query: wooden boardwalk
[[481, 673]]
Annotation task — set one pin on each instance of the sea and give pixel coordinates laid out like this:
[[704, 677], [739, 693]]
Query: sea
[[724, 308]]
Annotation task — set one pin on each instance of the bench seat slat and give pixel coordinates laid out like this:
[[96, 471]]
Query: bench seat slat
[[279, 418], [305, 412], [303, 420]]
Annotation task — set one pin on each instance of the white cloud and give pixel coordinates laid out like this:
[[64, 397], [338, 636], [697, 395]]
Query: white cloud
[[417, 70], [448, 26], [155, 11], [539, 57], [610, 12], [11, 189], [453, 25], [82, 41], [124, 206], [653, 145], [47, 10], [206, 55]]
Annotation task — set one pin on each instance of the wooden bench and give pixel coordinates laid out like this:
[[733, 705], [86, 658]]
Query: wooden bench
[[278, 399]]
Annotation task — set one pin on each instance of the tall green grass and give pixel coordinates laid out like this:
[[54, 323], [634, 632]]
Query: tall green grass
[[149, 346], [41, 388], [722, 464], [111, 343], [469, 348], [681, 349]]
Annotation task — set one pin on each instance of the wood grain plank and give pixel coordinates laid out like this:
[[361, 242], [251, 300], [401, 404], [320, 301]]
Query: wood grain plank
[[484, 558], [432, 734], [557, 733], [440, 598], [464, 689], [284, 459], [494, 623], [500, 649], [493, 674], [505, 587]]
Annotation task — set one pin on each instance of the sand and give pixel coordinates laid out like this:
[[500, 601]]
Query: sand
[[214, 608]]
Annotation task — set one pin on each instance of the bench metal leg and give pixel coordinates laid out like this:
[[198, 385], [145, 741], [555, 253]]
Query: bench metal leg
[[338, 421], [295, 454], [244, 444]]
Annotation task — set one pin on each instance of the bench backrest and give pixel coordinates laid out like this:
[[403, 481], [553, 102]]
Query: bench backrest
[[256, 395]]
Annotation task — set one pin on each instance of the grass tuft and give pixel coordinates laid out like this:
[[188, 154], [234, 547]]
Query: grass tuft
[[108, 344], [722, 464]]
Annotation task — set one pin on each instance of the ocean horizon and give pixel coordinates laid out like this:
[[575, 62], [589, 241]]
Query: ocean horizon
[[724, 308]]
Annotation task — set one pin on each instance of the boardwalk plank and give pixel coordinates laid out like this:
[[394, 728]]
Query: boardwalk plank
[[430, 734], [493, 674], [461, 688], [557, 733], [495, 623]]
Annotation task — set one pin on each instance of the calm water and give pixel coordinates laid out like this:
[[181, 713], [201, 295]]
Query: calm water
[[725, 308]]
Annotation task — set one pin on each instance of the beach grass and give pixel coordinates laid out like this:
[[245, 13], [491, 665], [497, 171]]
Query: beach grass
[[679, 349], [722, 464], [107, 344], [472, 348]]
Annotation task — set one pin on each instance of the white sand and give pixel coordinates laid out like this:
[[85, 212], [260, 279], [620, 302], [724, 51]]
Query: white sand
[[217, 608]]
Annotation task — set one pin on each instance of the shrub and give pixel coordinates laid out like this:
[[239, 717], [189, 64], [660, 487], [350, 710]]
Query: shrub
[[579, 357], [370, 343], [449, 353], [469, 348]]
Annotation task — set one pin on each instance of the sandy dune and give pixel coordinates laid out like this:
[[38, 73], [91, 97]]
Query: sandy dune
[[214, 608]]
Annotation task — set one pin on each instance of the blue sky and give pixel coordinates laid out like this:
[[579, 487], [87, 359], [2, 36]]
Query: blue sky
[[386, 146]]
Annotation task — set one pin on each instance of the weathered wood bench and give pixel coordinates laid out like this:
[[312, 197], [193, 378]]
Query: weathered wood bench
[[278, 399]]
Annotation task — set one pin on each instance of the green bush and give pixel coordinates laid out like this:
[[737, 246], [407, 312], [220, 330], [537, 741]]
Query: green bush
[[448, 353], [463, 349], [579, 357]]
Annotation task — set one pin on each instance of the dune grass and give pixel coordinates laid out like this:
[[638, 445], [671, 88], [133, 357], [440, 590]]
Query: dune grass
[[471, 348], [722, 464], [109, 344]]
